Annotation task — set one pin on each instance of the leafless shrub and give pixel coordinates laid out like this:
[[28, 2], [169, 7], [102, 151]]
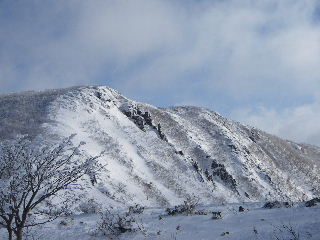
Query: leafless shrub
[[277, 204], [113, 224], [136, 209], [188, 207], [216, 215], [89, 207]]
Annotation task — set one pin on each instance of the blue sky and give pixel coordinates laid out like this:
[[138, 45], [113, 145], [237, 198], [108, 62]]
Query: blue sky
[[256, 61]]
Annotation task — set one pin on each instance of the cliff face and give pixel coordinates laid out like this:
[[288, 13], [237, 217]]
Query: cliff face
[[160, 156]]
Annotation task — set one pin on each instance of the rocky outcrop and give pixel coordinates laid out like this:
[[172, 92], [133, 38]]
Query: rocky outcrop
[[220, 171], [142, 119]]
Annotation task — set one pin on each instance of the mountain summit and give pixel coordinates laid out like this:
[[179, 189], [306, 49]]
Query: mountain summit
[[161, 156]]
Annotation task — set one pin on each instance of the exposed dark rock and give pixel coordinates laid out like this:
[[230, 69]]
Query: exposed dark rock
[[268, 177], [220, 171], [180, 152], [147, 118], [254, 136], [224, 233], [195, 165], [208, 176], [216, 165], [241, 209], [198, 169], [141, 119], [161, 135], [128, 114], [247, 150], [233, 148], [313, 202], [98, 95], [134, 113], [93, 179]]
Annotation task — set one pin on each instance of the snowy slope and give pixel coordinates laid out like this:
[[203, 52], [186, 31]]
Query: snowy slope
[[159, 157]]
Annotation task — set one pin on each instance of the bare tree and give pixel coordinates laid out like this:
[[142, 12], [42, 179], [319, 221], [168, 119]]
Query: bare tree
[[32, 173]]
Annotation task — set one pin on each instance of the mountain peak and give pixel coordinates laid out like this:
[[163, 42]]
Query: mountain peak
[[160, 156]]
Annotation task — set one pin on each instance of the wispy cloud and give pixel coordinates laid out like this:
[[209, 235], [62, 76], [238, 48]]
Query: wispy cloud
[[297, 123]]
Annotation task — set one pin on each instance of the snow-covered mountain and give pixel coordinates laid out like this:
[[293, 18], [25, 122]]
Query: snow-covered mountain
[[160, 156]]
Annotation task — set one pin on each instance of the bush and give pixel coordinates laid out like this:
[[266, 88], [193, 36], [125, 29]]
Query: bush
[[136, 209], [216, 215], [277, 204], [114, 224], [89, 207], [201, 212], [188, 207]]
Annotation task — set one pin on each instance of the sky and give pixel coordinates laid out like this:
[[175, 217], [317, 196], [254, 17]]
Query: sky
[[254, 61]]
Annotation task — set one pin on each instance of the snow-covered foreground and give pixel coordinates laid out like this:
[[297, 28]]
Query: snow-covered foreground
[[254, 223]]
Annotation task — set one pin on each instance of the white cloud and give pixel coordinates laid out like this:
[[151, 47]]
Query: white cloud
[[77, 48], [244, 48], [298, 123], [241, 45]]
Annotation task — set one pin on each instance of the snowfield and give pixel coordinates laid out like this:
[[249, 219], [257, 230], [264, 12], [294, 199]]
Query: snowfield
[[254, 223], [159, 157]]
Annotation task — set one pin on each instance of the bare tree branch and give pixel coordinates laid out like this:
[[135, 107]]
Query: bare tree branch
[[32, 173]]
